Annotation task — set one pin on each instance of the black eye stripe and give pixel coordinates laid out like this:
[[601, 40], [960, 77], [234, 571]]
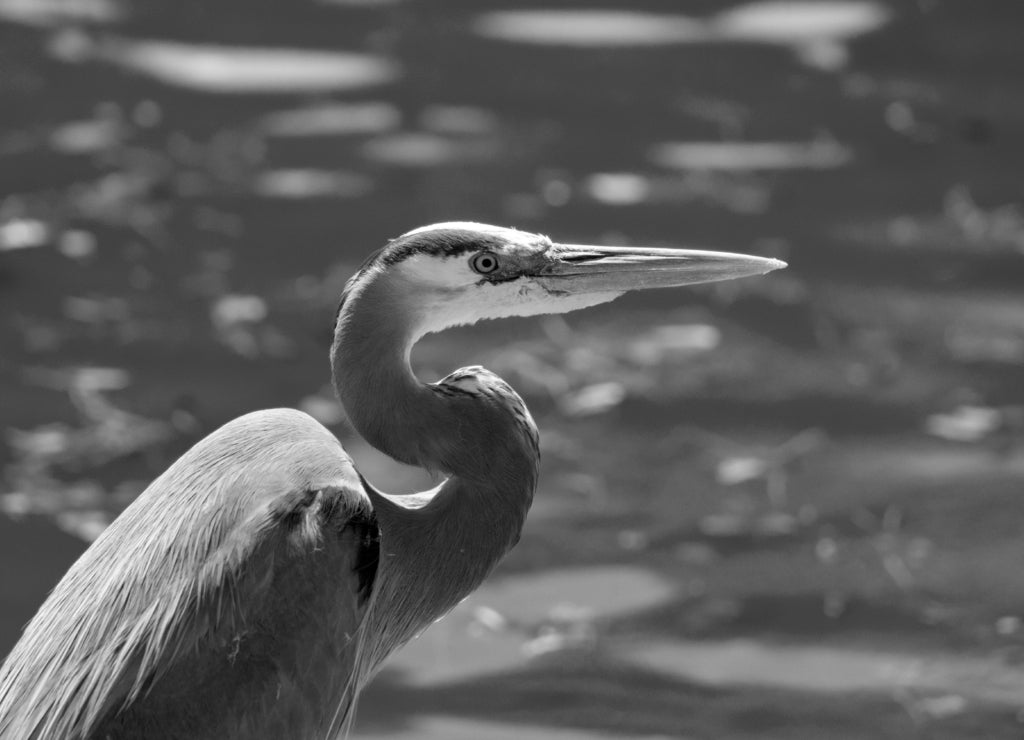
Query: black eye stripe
[[484, 263]]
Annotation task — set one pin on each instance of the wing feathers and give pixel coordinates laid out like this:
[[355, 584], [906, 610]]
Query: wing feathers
[[247, 551]]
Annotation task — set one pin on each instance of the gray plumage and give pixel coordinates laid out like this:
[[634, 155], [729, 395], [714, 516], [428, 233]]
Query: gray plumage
[[253, 589]]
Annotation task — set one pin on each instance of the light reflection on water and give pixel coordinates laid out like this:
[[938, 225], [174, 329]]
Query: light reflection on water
[[213, 68], [749, 156], [808, 27], [423, 149], [461, 729], [296, 184], [510, 620], [590, 28], [793, 21], [825, 669], [331, 119], [46, 13]]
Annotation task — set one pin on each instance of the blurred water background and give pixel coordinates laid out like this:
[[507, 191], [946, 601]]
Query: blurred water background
[[787, 507]]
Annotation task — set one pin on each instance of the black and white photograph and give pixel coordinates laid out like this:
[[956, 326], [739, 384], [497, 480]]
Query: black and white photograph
[[499, 370]]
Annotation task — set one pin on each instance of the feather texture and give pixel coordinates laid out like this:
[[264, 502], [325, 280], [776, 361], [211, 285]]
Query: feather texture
[[170, 625], [257, 585]]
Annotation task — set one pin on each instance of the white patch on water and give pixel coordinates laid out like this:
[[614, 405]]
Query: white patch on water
[[589, 28], [463, 646], [618, 188], [46, 13], [814, 30], [823, 54], [298, 183], [85, 137], [24, 233], [331, 119], [822, 669], [413, 150], [603, 592], [434, 728], [593, 399], [421, 149], [796, 21], [750, 155], [231, 69], [623, 189], [653, 347]]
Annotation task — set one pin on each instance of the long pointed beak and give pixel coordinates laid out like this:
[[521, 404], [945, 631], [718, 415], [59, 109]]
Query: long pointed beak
[[574, 268]]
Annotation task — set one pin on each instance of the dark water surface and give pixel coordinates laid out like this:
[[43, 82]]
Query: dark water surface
[[778, 508]]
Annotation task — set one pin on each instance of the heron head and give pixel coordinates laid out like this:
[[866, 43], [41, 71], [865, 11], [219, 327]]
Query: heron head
[[456, 273]]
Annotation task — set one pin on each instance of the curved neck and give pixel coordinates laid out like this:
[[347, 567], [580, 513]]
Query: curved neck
[[437, 547], [375, 383], [469, 437], [434, 554]]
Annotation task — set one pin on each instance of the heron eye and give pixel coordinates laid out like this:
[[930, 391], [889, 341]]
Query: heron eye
[[484, 263]]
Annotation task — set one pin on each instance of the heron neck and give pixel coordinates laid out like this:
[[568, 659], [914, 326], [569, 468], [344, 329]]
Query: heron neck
[[432, 554], [373, 379], [413, 422]]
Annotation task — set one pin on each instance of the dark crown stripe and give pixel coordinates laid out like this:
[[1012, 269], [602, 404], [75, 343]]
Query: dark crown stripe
[[438, 243], [435, 242]]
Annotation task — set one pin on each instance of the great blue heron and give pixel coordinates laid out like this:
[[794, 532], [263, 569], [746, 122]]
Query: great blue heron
[[253, 589]]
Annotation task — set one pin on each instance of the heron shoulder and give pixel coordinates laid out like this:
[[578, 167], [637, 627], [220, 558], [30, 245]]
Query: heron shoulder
[[264, 512], [268, 425], [285, 447]]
